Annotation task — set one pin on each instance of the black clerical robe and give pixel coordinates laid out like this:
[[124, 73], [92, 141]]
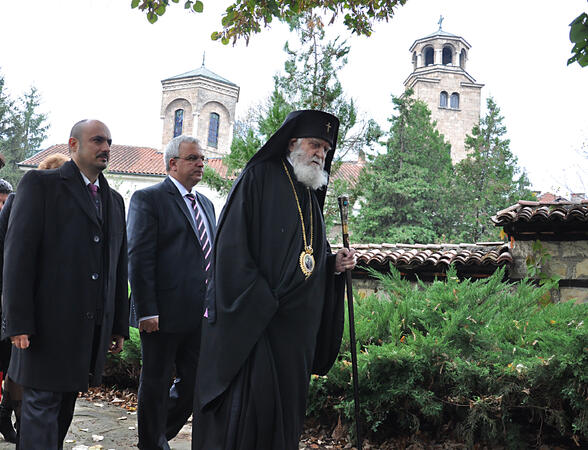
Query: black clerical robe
[[269, 326]]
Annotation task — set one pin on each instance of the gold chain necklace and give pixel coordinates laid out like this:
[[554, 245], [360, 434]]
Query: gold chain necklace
[[306, 259]]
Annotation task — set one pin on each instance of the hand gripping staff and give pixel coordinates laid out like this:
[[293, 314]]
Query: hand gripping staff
[[343, 208]]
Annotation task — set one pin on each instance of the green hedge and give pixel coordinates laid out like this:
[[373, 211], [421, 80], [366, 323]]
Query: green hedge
[[486, 359], [123, 369]]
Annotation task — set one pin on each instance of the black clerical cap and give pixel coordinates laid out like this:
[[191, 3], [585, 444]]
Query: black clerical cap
[[300, 124], [316, 124]]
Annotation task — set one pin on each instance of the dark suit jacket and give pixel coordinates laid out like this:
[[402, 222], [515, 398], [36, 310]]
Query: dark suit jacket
[[65, 266], [4, 216], [166, 263]]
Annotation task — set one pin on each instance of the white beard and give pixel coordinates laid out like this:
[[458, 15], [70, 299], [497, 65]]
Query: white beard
[[306, 172]]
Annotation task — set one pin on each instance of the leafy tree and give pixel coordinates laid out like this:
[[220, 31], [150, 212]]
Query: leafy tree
[[245, 17], [403, 191], [488, 180], [579, 37]]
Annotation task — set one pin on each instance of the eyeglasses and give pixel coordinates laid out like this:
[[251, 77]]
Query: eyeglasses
[[193, 158]]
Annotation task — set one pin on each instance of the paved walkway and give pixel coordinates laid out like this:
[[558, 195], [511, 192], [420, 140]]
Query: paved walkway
[[106, 426]]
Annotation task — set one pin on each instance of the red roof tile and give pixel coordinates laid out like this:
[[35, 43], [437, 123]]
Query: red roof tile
[[437, 257], [349, 171], [149, 161], [123, 159], [527, 211]]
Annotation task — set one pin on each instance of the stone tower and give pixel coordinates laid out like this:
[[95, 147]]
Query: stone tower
[[202, 104], [439, 78]]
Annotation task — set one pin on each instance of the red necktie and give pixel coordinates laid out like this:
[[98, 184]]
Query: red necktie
[[94, 193]]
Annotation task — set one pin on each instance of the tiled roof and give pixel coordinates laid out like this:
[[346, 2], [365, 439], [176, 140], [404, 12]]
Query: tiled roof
[[527, 211], [149, 161], [218, 166], [482, 258], [552, 221], [123, 159], [548, 197], [349, 171]]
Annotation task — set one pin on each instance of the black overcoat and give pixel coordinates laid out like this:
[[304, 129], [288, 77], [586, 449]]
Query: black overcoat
[[63, 265]]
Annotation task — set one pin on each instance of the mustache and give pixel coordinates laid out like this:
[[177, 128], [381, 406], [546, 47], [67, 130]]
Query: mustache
[[103, 155]]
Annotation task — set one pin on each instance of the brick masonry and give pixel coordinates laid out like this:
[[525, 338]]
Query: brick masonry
[[199, 97]]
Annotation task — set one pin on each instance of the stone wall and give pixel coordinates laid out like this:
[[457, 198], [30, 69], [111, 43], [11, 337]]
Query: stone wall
[[569, 260]]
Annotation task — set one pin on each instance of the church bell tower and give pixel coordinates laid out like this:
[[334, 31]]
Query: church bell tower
[[202, 104], [439, 78]]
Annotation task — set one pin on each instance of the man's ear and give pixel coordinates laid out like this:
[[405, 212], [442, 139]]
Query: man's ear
[[73, 144], [291, 144]]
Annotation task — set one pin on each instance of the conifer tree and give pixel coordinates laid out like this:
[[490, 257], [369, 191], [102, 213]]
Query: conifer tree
[[488, 179], [404, 191], [6, 115], [8, 124], [27, 129], [309, 81]]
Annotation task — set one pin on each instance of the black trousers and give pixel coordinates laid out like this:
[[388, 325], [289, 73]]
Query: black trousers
[[45, 418], [163, 411]]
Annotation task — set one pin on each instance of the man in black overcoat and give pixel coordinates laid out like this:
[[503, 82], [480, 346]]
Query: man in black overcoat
[[65, 288], [275, 303], [171, 229]]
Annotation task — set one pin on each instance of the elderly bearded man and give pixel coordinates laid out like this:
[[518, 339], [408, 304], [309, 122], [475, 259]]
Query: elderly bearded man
[[275, 303]]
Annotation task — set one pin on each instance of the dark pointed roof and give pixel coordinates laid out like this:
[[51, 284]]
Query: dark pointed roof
[[201, 72], [440, 33]]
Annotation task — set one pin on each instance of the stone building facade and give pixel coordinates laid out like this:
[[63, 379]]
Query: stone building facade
[[202, 104], [555, 236], [439, 78]]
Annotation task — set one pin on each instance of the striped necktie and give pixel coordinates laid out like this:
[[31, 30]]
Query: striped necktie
[[202, 235]]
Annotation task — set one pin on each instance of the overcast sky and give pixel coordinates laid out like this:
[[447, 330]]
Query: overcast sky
[[100, 59]]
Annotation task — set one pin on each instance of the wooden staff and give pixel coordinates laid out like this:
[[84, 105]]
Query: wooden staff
[[343, 208]]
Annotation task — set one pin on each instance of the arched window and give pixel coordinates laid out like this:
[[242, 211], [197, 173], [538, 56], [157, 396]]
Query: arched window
[[213, 130], [447, 55], [429, 56], [454, 101], [443, 99], [414, 61], [178, 122], [462, 59]]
